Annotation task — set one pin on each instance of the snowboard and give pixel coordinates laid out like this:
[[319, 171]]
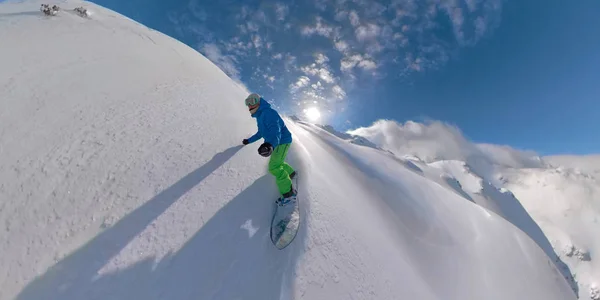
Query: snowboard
[[286, 221]]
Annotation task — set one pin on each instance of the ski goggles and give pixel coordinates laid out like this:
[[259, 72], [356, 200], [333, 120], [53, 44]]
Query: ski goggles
[[252, 100]]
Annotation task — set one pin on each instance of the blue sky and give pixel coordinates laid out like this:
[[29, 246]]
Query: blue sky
[[520, 73]]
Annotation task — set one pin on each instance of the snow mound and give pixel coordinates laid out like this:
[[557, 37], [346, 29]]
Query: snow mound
[[122, 177]]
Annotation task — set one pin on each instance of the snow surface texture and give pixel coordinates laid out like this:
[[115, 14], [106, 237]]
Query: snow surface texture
[[122, 177], [555, 199]]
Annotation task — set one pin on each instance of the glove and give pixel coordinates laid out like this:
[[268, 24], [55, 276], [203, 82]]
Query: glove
[[265, 149], [245, 142]]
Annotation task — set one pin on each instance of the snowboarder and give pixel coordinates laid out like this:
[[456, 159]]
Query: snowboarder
[[49, 11], [277, 141], [81, 11]]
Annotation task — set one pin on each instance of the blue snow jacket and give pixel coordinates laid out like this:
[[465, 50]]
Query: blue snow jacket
[[270, 126]]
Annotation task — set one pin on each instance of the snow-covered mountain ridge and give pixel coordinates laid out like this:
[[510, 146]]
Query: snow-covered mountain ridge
[[122, 177], [561, 193]]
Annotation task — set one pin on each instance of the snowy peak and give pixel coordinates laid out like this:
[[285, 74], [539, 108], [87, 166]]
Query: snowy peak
[[552, 199], [459, 177], [460, 172], [564, 201]]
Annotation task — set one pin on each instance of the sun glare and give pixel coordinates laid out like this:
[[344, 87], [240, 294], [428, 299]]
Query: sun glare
[[312, 113]]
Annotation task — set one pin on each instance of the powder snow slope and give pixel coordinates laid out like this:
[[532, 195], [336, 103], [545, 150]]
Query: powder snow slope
[[566, 203], [554, 200], [122, 177]]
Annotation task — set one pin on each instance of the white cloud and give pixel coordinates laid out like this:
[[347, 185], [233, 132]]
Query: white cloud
[[326, 83], [236, 46], [281, 11], [252, 26], [401, 39], [243, 14], [374, 48], [372, 9], [415, 24], [300, 83], [367, 64], [433, 141], [480, 27], [321, 4], [340, 15], [197, 11], [472, 4], [242, 28], [479, 17], [319, 28], [321, 72], [367, 32], [416, 65], [347, 64], [375, 9], [261, 16], [350, 62], [313, 95], [268, 80], [257, 41], [320, 58], [227, 63], [317, 86], [341, 46], [310, 70], [354, 19], [338, 92], [290, 62], [456, 15]]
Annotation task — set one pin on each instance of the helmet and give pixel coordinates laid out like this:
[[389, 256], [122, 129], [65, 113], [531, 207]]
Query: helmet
[[253, 100]]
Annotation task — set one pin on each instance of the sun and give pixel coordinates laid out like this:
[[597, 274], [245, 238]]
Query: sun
[[312, 113]]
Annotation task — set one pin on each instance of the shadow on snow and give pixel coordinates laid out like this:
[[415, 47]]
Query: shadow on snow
[[230, 257], [515, 213], [22, 13]]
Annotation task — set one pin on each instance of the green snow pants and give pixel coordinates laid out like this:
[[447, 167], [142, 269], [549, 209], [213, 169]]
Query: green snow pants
[[280, 169]]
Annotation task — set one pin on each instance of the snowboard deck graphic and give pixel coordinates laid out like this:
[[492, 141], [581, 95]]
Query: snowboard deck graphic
[[286, 221]]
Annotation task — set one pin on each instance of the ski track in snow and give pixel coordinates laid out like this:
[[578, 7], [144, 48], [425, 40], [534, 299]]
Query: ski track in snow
[[122, 177]]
